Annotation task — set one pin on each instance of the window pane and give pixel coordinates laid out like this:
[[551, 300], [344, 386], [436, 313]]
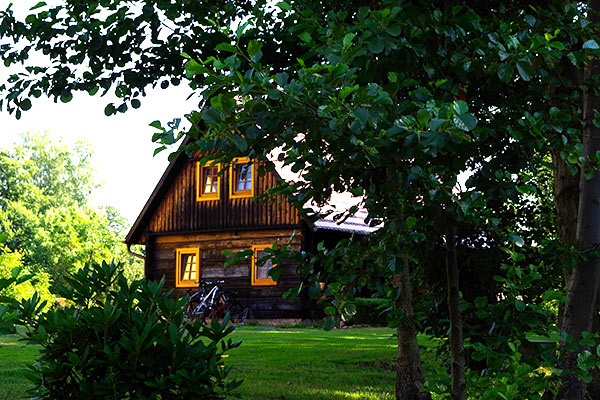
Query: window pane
[[210, 179], [188, 267], [243, 177], [261, 270]]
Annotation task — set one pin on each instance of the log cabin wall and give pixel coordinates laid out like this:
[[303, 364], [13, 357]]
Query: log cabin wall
[[179, 211], [265, 301]]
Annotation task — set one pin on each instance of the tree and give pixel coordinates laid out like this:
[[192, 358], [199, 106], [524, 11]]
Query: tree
[[389, 101], [44, 210]]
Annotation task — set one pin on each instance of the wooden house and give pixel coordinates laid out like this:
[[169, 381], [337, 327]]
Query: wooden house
[[196, 212]]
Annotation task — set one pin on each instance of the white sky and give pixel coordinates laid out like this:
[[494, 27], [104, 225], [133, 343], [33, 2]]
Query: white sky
[[122, 144]]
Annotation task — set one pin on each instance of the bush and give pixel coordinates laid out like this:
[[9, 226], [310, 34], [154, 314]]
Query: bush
[[116, 340], [371, 311]]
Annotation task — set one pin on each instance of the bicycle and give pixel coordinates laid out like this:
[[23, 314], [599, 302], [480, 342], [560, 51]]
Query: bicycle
[[215, 303]]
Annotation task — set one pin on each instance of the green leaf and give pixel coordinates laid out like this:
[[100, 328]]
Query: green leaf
[[329, 324], [435, 124], [38, 5], [394, 30], [516, 239], [25, 104], [239, 142], [423, 117], [460, 107], [159, 149], [156, 124], [591, 44], [481, 301], [519, 305], [284, 6], [66, 97], [305, 37], [135, 103], [466, 122], [226, 47], [347, 90], [585, 360], [505, 72], [110, 110], [524, 72], [376, 45], [530, 20], [410, 222], [348, 39], [254, 47]]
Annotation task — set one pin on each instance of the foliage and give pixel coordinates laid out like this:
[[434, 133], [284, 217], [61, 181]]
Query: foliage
[[10, 263], [120, 340], [44, 210], [110, 33], [390, 101], [370, 311]]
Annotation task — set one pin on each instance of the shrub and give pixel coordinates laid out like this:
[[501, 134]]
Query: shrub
[[116, 340], [371, 311]]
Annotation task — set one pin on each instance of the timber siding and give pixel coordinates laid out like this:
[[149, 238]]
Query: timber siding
[[179, 211], [266, 301]]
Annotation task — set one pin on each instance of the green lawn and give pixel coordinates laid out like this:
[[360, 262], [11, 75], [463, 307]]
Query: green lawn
[[14, 358], [275, 364], [314, 364]]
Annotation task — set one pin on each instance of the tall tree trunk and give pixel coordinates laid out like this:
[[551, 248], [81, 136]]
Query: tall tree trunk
[[566, 199], [566, 189], [457, 349], [409, 375], [583, 290]]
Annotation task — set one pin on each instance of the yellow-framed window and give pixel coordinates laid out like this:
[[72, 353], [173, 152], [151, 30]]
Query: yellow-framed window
[[241, 178], [259, 273], [188, 270], [208, 181]]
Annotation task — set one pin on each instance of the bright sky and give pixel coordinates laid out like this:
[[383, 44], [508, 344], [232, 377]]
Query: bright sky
[[122, 144]]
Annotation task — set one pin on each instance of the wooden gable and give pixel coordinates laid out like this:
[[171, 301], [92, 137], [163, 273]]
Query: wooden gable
[[173, 206]]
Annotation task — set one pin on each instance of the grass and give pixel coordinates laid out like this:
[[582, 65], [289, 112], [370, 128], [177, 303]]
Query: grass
[[15, 356], [282, 364], [313, 364]]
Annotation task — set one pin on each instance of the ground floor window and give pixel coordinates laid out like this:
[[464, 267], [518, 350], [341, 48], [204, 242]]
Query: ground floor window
[[187, 267], [259, 274]]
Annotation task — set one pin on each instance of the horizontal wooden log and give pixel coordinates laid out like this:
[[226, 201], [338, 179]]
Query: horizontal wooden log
[[283, 234]]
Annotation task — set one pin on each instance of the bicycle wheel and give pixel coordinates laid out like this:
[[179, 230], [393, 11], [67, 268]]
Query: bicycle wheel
[[190, 309], [239, 314]]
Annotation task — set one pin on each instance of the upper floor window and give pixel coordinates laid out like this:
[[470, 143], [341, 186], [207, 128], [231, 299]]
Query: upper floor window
[[241, 178], [208, 181], [187, 268]]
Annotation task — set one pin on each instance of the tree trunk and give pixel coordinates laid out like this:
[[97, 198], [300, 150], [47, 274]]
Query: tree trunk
[[566, 199], [457, 349], [566, 190], [409, 375], [583, 290]]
